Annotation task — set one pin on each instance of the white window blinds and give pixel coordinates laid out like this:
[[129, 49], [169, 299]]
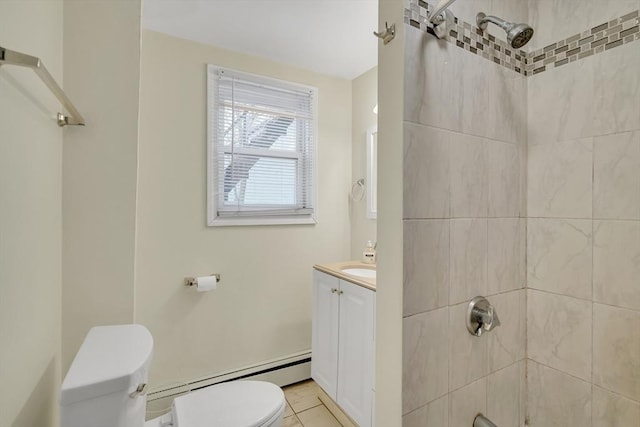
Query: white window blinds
[[261, 147]]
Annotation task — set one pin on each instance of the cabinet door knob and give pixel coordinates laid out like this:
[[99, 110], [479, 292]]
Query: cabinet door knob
[[334, 290], [340, 292]]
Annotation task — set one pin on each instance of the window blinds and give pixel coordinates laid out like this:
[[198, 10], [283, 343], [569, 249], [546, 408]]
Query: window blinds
[[263, 140]]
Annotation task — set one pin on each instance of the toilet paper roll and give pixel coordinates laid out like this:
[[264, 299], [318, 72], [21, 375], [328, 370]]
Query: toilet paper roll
[[206, 283]]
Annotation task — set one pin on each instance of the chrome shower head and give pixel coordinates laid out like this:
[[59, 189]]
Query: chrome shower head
[[517, 34]]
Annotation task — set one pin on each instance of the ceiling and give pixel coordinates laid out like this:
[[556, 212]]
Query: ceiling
[[332, 37]]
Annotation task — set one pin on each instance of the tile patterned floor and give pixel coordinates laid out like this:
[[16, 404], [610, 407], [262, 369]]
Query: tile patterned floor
[[304, 409]]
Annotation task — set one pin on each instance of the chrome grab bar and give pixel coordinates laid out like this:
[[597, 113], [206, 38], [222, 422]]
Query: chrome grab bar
[[10, 57]]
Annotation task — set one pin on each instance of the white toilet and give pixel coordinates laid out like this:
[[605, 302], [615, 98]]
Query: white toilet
[[106, 387]]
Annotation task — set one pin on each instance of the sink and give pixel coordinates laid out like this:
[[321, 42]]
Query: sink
[[360, 272]]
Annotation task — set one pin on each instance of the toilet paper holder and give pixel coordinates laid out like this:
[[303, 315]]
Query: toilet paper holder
[[193, 281]]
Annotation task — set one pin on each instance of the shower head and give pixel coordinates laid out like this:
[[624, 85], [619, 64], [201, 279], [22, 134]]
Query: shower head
[[517, 34]]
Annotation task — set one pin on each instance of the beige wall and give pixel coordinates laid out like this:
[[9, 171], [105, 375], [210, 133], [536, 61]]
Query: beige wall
[[464, 141], [262, 308], [30, 218], [389, 281], [583, 275], [102, 71], [365, 97]]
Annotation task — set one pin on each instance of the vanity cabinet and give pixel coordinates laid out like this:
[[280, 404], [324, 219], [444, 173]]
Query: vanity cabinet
[[324, 335], [343, 344]]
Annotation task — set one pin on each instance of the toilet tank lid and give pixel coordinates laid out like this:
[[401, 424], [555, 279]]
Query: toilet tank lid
[[110, 359]]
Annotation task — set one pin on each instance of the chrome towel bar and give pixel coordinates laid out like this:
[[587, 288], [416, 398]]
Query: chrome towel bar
[[10, 57]]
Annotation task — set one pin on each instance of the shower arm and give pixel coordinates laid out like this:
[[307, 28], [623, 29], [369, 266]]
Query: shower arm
[[437, 11], [483, 22]]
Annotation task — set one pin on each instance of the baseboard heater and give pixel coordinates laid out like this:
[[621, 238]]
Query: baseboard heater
[[283, 371]]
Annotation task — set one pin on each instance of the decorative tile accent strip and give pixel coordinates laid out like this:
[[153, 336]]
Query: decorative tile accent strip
[[609, 35], [601, 38], [469, 38]]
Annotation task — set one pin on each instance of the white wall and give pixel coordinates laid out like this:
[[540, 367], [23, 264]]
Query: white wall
[[30, 218], [365, 97], [102, 71], [262, 308]]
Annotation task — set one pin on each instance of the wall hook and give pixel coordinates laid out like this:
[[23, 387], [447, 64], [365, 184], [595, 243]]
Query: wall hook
[[388, 34]]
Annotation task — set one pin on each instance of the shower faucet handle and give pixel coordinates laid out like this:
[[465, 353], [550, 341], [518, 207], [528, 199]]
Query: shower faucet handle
[[490, 319], [481, 316]]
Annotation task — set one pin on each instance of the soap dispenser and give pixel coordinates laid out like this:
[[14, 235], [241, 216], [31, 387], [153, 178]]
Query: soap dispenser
[[369, 254]]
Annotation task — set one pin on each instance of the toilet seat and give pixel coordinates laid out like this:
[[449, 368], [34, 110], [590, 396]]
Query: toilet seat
[[233, 404]]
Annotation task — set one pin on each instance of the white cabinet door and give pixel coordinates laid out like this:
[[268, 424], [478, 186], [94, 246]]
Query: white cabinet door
[[324, 337], [356, 352]]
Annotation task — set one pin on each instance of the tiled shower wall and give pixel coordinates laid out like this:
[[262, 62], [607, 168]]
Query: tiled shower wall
[[464, 233], [583, 255], [467, 122]]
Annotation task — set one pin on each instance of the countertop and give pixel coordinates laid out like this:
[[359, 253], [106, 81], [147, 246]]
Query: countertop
[[335, 270]]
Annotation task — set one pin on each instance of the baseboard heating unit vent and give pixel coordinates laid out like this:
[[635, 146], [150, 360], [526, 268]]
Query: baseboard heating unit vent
[[282, 371]]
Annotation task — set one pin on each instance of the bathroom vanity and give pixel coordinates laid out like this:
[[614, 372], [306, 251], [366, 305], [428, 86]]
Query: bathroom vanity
[[343, 338]]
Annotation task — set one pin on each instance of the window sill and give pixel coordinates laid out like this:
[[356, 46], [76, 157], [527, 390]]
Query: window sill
[[232, 222]]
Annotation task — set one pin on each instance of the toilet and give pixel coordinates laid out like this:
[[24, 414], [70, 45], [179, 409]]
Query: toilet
[[107, 383]]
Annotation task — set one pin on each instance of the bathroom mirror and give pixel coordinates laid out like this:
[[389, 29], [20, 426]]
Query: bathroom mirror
[[372, 172]]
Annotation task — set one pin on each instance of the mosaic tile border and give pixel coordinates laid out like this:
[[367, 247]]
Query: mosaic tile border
[[606, 36], [609, 35], [469, 38]]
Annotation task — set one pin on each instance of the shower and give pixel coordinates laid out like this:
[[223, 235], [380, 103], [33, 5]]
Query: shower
[[440, 19], [517, 34]]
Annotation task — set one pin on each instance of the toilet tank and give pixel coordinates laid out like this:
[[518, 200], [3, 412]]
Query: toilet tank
[[100, 387]]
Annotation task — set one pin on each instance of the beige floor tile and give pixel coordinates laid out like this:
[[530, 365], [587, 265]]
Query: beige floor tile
[[291, 421], [318, 417], [302, 396], [288, 411], [335, 410]]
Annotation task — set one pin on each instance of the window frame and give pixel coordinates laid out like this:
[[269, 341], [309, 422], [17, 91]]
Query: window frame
[[214, 186]]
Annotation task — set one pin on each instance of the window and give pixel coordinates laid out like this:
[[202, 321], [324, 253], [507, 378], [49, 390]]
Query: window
[[261, 160]]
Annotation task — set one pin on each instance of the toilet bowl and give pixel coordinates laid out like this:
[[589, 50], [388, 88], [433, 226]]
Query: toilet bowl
[[107, 382], [234, 404]]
